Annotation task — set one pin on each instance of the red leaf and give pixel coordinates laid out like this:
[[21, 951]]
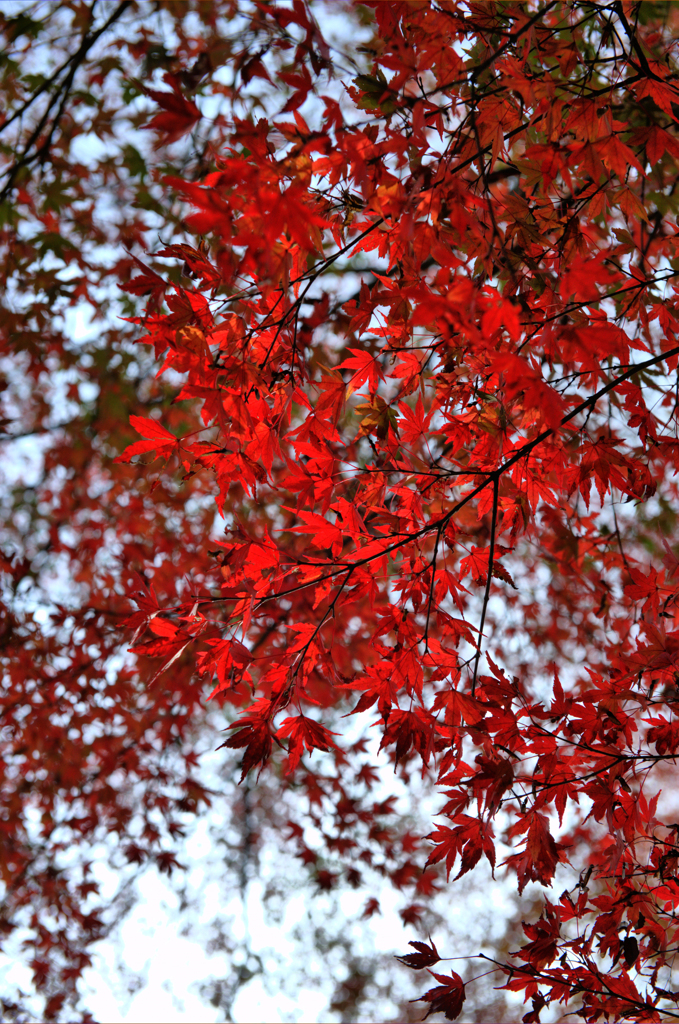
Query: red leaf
[[447, 997], [254, 734], [151, 428], [366, 368], [538, 861], [372, 906], [425, 956], [304, 732], [158, 439], [179, 116]]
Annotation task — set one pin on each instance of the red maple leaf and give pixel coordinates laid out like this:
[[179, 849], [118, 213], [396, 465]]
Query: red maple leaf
[[158, 439], [304, 732], [447, 997], [179, 113], [425, 956], [254, 733], [366, 368]]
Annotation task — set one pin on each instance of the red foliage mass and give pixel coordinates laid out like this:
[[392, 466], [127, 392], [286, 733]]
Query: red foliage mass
[[427, 345]]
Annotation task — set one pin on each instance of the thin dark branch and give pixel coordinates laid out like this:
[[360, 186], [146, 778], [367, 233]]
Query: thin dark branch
[[60, 96], [486, 596]]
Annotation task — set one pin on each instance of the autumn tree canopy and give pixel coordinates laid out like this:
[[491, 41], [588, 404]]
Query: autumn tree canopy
[[399, 365]]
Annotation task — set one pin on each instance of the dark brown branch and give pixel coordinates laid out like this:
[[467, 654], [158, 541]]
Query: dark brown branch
[[486, 596], [60, 96]]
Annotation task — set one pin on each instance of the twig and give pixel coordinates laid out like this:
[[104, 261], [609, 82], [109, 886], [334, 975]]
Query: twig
[[486, 596]]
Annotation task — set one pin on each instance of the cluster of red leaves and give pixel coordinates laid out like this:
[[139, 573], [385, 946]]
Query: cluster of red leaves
[[414, 462], [430, 307], [488, 379]]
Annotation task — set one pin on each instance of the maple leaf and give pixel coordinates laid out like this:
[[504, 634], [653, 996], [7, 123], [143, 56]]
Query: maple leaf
[[543, 938], [332, 398], [254, 733], [644, 588], [179, 113], [304, 732], [414, 424], [425, 956], [147, 283], [461, 705], [196, 264], [409, 728], [541, 854], [366, 368], [470, 839], [476, 563], [447, 997], [158, 439], [325, 534], [372, 906]]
